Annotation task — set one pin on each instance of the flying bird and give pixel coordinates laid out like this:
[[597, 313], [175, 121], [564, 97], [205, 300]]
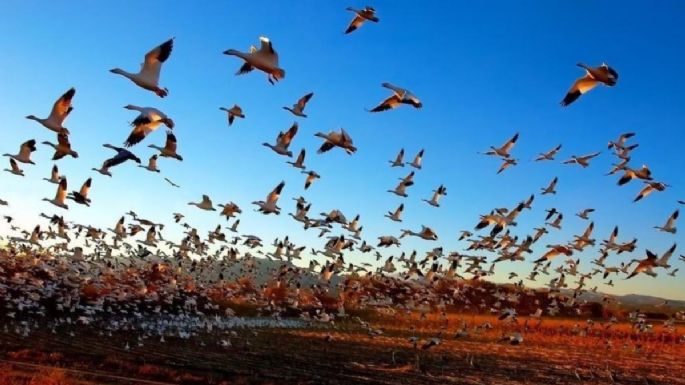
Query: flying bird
[[298, 108], [81, 196], [169, 149], [233, 112], [399, 96], [549, 155], [148, 76], [147, 121], [60, 111], [593, 76], [25, 150], [62, 148], [361, 15], [283, 141], [505, 149], [583, 160], [270, 206], [264, 59], [336, 139]]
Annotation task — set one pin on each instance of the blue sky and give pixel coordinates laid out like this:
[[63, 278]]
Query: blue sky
[[483, 70]]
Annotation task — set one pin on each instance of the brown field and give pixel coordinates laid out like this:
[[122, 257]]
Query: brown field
[[553, 352]]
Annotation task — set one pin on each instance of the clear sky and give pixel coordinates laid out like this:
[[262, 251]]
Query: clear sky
[[483, 70]]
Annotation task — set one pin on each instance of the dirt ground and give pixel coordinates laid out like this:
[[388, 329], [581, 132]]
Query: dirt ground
[[340, 355]]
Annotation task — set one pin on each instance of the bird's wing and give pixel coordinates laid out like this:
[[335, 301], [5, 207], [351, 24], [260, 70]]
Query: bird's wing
[[154, 59], [62, 106]]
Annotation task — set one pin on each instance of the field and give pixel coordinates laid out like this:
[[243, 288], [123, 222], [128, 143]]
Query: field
[[470, 352]]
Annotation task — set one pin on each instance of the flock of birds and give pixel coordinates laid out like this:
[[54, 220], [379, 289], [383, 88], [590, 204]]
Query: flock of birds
[[76, 254]]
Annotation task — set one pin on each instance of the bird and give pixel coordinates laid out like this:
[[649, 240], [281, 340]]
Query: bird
[[311, 176], [62, 148], [122, 156], [645, 265], [14, 168], [669, 226], [629, 174], [425, 233], [271, 204], [418, 159], [54, 175], [583, 160], [593, 76], [506, 163], [549, 155], [229, 210], [336, 139], [60, 111], [437, 194], [620, 142], [551, 188], [233, 112], [171, 183], [299, 162], [60, 196], [151, 164], [649, 188], [25, 150], [205, 204], [81, 197], [147, 121], [400, 96], [148, 76], [283, 141], [169, 149], [361, 15], [585, 214], [298, 108], [554, 251], [264, 59], [504, 150], [399, 159], [397, 214]]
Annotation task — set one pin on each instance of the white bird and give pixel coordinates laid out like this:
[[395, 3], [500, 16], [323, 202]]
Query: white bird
[[60, 111], [298, 108], [24, 155], [437, 194], [271, 204], [147, 121], [54, 175], [151, 164], [669, 227], [418, 159], [336, 139], [205, 204], [504, 150], [60, 196], [81, 197], [549, 155], [62, 148], [399, 96], [265, 59], [397, 214], [299, 162], [283, 141], [169, 149], [148, 76], [14, 168], [399, 159]]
